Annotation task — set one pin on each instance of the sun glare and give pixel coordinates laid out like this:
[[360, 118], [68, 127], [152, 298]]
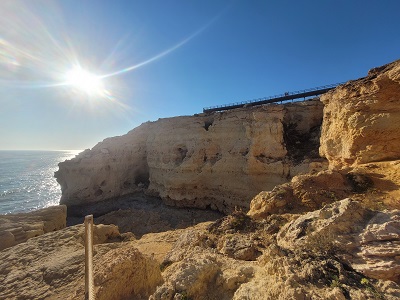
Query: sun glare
[[85, 81]]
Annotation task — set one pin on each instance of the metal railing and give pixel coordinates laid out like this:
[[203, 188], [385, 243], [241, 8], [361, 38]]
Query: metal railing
[[276, 98]]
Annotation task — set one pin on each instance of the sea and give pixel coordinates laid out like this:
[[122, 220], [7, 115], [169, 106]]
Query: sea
[[27, 179]]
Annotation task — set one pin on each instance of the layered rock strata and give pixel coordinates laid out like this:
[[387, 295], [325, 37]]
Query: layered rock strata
[[18, 228], [217, 161], [361, 119], [360, 138]]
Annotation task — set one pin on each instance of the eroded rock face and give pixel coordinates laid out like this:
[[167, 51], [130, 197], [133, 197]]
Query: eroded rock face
[[197, 267], [115, 167], [218, 161], [368, 240], [304, 193], [18, 228], [125, 273], [52, 266], [361, 119]]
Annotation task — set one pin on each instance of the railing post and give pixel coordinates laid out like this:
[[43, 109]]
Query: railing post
[[89, 284]]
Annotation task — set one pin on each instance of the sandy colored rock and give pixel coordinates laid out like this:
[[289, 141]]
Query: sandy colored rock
[[51, 266], [18, 228], [304, 193], [195, 268], [368, 240], [114, 167], [126, 273], [361, 118], [218, 161], [143, 214], [375, 185]]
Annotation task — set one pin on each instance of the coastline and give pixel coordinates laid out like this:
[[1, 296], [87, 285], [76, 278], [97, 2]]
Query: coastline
[[27, 179], [329, 231]]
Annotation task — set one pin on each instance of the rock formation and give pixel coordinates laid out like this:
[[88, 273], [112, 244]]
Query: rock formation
[[313, 231], [218, 161], [52, 266], [368, 240], [360, 139], [18, 228], [283, 263], [361, 119]]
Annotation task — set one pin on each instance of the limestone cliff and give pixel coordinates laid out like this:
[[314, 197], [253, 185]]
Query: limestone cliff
[[218, 161], [361, 119], [332, 234], [360, 137]]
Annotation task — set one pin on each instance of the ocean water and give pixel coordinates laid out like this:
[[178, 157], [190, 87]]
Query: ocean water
[[27, 179]]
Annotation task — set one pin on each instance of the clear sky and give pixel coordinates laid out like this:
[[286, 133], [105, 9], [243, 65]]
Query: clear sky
[[75, 72]]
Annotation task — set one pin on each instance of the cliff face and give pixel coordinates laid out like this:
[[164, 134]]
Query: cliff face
[[360, 137], [333, 234], [218, 161], [361, 119], [114, 167]]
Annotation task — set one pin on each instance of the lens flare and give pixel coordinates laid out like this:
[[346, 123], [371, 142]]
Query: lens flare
[[37, 52]]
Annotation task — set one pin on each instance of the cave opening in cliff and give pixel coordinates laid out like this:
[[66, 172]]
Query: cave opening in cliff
[[142, 179], [301, 145], [207, 124]]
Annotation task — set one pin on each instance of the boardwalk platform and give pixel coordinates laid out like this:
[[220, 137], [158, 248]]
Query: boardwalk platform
[[274, 99]]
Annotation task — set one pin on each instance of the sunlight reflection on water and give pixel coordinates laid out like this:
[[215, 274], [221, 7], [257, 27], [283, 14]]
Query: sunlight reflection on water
[[27, 179]]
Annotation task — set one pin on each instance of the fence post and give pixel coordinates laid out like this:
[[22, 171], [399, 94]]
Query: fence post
[[89, 284]]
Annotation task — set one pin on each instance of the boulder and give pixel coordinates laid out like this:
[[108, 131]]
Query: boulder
[[367, 240]]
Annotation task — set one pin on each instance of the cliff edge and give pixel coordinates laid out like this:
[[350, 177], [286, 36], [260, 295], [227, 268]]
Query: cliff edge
[[218, 161], [332, 233]]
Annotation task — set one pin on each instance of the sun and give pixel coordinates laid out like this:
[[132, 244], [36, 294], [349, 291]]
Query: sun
[[85, 81]]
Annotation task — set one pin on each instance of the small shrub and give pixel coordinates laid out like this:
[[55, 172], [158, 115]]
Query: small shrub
[[329, 194], [321, 244], [360, 183], [370, 288], [364, 281], [336, 283]]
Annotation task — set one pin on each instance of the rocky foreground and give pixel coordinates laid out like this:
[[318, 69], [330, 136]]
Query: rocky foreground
[[312, 192]]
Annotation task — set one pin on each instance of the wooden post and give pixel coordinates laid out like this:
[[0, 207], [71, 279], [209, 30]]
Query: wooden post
[[89, 284]]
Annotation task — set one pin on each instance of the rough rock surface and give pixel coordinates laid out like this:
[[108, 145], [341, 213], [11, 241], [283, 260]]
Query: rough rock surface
[[304, 193], [141, 214], [51, 266], [218, 161], [361, 118], [373, 184], [197, 267], [368, 240], [18, 228], [305, 239], [115, 167]]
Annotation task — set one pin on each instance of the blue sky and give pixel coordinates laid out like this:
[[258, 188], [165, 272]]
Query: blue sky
[[181, 56]]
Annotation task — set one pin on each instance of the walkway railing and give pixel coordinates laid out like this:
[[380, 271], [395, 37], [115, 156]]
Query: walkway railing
[[276, 98]]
